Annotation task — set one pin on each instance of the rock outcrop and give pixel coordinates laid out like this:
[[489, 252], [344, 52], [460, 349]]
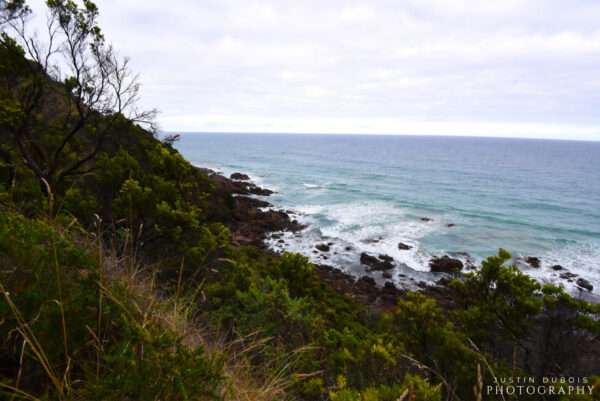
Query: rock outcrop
[[377, 263], [445, 264], [239, 177]]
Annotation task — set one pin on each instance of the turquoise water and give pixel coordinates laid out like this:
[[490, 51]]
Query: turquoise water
[[532, 197]]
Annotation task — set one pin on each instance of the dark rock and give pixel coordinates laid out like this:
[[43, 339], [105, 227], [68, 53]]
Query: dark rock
[[533, 261], [387, 274], [376, 263], [422, 284], [557, 267], [426, 219], [251, 224], [239, 177], [389, 286], [323, 247], [403, 247], [567, 275], [445, 264], [255, 190], [371, 240], [451, 225], [386, 258], [348, 248], [281, 241], [367, 280], [583, 283], [444, 281]]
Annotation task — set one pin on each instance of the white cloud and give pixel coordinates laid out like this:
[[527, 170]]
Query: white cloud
[[383, 66], [354, 14]]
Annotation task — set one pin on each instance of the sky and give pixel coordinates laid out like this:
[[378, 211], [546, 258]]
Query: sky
[[525, 68]]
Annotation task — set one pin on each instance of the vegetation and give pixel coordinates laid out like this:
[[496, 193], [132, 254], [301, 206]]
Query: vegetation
[[120, 280]]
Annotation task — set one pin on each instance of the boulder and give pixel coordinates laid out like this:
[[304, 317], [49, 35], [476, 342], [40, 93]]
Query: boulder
[[567, 275], [557, 267], [585, 284], [239, 177], [387, 274], [323, 247], [450, 225], [445, 264], [533, 261], [426, 219], [383, 262], [404, 247]]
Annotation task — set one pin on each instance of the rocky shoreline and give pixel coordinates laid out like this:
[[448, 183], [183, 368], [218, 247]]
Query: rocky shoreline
[[257, 221]]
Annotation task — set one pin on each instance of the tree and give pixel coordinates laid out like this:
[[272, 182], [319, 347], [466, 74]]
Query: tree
[[62, 97]]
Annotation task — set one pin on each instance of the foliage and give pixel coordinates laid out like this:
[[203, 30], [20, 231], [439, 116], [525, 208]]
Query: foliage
[[67, 333]]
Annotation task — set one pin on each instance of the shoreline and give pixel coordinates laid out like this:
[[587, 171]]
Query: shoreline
[[377, 278]]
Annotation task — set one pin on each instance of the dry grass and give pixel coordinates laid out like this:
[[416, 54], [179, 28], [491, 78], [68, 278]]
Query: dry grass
[[175, 313]]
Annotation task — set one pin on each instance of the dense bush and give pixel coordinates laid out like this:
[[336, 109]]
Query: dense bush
[[67, 332]]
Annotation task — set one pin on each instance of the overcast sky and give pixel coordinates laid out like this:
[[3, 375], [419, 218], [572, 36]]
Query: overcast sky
[[483, 67]]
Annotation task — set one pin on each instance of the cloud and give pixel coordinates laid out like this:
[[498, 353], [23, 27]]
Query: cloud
[[357, 14], [510, 67]]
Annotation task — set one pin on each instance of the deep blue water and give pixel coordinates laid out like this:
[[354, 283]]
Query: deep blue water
[[532, 197]]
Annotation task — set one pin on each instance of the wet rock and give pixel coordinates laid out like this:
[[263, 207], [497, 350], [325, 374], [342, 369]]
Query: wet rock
[[387, 274], [567, 275], [585, 284], [252, 224], [323, 247], [281, 241], [255, 190], [371, 240], [348, 248], [404, 247], [383, 262], [445, 264], [239, 177], [450, 225], [557, 267], [426, 219], [386, 258], [533, 261]]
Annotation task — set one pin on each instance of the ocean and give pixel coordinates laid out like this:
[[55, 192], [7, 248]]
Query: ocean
[[461, 196]]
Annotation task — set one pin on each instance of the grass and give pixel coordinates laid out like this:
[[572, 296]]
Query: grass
[[77, 319]]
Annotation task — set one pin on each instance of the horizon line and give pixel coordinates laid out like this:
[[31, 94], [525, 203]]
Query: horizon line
[[184, 132]]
